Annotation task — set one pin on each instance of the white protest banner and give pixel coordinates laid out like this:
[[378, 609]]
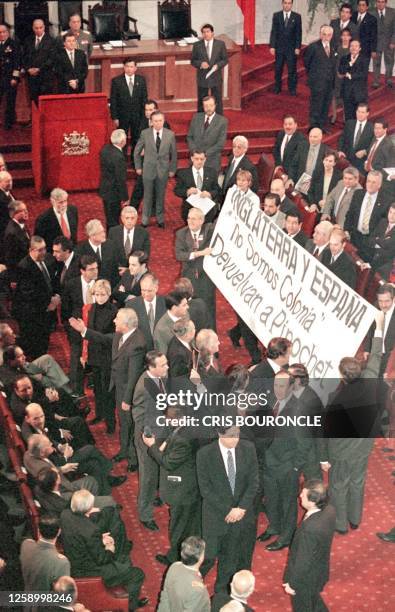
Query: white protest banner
[[279, 289]]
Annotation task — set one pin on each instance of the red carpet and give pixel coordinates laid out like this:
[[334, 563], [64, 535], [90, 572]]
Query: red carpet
[[363, 567]]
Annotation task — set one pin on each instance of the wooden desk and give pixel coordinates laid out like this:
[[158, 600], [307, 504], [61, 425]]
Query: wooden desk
[[171, 80]]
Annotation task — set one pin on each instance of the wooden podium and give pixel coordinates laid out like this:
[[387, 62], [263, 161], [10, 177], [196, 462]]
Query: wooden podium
[[68, 133]]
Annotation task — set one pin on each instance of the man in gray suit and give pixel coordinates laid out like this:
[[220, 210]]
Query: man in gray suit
[[176, 308], [157, 165], [207, 132], [337, 202], [209, 56], [385, 42]]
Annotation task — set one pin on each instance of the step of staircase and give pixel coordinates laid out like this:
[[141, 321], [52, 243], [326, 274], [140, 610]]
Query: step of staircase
[[19, 159]]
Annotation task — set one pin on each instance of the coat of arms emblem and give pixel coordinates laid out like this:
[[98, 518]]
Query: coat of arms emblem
[[75, 143]]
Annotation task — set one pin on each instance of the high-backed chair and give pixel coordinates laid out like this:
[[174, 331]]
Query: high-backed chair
[[174, 19], [107, 22], [265, 170]]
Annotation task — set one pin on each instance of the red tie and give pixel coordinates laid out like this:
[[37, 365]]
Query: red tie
[[371, 156], [316, 253], [64, 226]]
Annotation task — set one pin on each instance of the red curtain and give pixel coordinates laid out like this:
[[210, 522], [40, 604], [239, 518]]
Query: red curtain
[[248, 10]]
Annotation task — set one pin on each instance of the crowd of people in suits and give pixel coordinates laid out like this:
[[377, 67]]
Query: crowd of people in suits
[[135, 344]]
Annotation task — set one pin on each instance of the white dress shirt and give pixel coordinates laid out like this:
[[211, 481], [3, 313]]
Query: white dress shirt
[[95, 247], [364, 204]]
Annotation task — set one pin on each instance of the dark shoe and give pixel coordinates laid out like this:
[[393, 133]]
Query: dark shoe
[[133, 467], [142, 602], [118, 457], [341, 531], [276, 90], [151, 525], [158, 503], [116, 481], [386, 449], [95, 421], [266, 535], [163, 559], [277, 545], [161, 225], [385, 536], [390, 84], [354, 526], [233, 338], [375, 85]]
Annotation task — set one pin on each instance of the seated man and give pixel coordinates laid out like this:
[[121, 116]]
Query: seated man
[[96, 549], [293, 227], [338, 261]]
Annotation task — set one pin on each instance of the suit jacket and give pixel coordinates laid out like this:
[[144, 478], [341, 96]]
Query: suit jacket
[[72, 271], [141, 242], [184, 247], [127, 281], [66, 72], [244, 164], [309, 557], [185, 180], [179, 358], [367, 32], [156, 164], [355, 88], [321, 69], [298, 164], [163, 333], [35, 464], [138, 306], [15, 244], [47, 225], [288, 206], [42, 565], [352, 217], [199, 314], [384, 155], [210, 140], [289, 38], [42, 58], [113, 174], [215, 489], [346, 142], [127, 362], [315, 193], [343, 267], [220, 599], [145, 396], [389, 342], [99, 355], [296, 140], [72, 300], [383, 244], [385, 28], [300, 238], [335, 24], [311, 247], [108, 265], [32, 295], [332, 199], [183, 587], [5, 199], [128, 110], [219, 56]]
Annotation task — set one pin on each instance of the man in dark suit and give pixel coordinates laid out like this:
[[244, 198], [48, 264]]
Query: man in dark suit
[[293, 227], [198, 178], [320, 62], [209, 56], [149, 307], [127, 99], [68, 262], [39, 52], [5, 198], [239, 161], [367, 28], [16, 239], [383, 242], [192, 244], [156, 167], [227, 472], [338, 261], [381, 153], [61, 219], [357, 135], [103, 249], [128, 351], [385, 41], [343, 21], [386, 303], [367, 208], [319, 243], [285, 43], [71, 67], [308, 156], [177, 483], [354, 89], [77, 292], [10, 65], [307, 569], [128, 237], [288, 141], [197, 308], [113, 188], [180, 352], [35, 299], [207, 132]]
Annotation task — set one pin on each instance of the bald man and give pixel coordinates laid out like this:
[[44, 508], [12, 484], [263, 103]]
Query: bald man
[[241, 587], [38, 55]]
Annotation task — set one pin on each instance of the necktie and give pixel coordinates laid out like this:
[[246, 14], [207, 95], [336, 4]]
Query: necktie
[[131, 87], [310, 161], [88, 296], [63, 274], [359, 19], [45, 274], [208, 50], [37, 43], [161, 386], [206, 123], [332, 260], [276, 408], [120, 343], [327, 50], [127, 245], [286, 141], [98, 254], [72, 58], [358, 134], [199, 180], [316, 252], [151, 318], [392, 275], [230, 171], [339, 203], [366, 215], [195, 241], [384, 331], [381, 16], [231, 471], [371, 156], [157, 142], [286, 20], [65, 228]]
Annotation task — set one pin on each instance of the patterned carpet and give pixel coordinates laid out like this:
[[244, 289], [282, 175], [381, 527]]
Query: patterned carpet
[[362, 566]]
